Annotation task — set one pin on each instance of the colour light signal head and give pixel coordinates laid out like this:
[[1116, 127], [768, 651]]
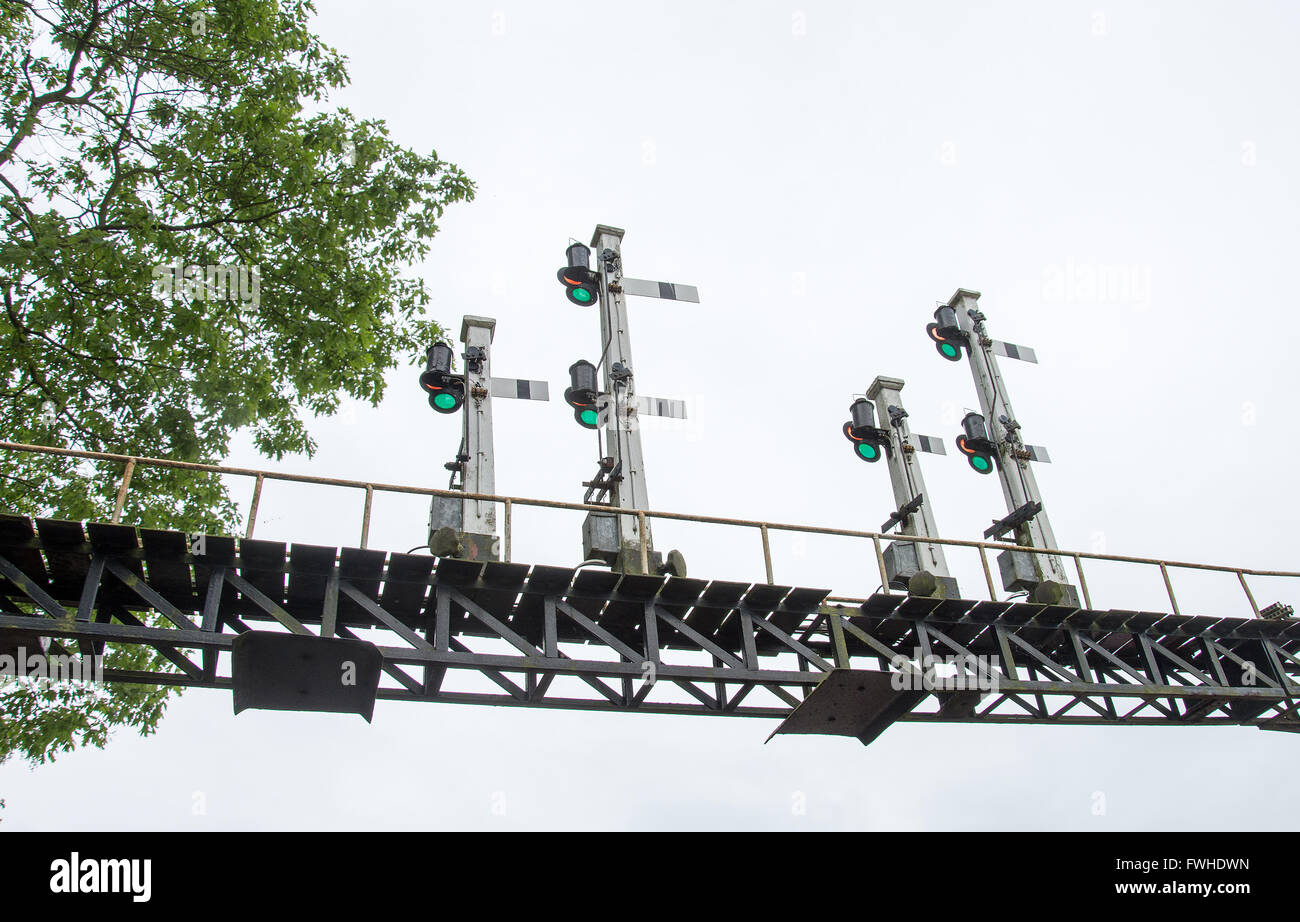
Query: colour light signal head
[[446, 390], [947, 335], [581, 284], [582, 394], [975, 444], [868, 441]]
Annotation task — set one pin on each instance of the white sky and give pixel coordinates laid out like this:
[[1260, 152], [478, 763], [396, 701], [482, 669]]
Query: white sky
[[824, 174]]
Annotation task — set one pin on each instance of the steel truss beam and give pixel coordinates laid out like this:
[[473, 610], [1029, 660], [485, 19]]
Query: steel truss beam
[[503, 634]]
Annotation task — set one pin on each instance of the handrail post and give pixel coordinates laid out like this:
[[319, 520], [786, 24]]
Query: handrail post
[[767, 553], [880, 562], [121, 491], [252, 511], [1169, 587], [1083, 583], [645, 543], [506, 530], [365, 517], [988, 574], [1253, 607]]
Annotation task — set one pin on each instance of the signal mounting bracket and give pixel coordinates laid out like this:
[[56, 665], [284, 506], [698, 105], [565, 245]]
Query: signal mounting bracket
[[1022, 515], [607, 474], [902, 513]]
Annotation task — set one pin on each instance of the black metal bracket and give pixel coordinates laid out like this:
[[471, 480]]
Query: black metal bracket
[[903, 512], [1022, 515], [457, 467], [607, 475]]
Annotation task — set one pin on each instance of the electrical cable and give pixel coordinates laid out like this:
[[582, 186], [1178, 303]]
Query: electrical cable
[[609, 339]]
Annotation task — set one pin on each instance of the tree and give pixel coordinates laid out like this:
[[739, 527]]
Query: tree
[[192, 243]]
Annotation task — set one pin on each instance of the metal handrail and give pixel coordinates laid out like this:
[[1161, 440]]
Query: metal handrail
[[764, 527]]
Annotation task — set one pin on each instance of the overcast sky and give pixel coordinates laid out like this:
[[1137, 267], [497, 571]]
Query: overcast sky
[[824, 173]]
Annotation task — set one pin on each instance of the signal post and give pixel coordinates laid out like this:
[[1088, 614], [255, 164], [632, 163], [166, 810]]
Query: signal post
[[616, 538], [1043, 575], [920, 568], [467, 527]]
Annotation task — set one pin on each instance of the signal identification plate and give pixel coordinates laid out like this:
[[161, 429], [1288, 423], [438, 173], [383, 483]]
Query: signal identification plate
[[928, 443], [668, 290], [1012, 351], [520, 389]]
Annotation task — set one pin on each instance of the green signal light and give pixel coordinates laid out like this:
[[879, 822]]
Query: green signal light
[[867, 450], [444, 401], [979, 462], [582, 294], [948, 349], [589, 417]]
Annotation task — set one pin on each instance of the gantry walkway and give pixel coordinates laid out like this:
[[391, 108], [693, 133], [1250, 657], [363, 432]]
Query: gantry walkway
[[509, 633]]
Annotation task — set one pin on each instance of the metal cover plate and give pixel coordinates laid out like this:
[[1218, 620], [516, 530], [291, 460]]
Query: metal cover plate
[[504, 575], [1081, 618], [549, 579], [1199, 624], [16, 530], [861, 703], [681, 591], [952, 609], [880, 605], [455, 572], [639, 588], [1113, 619], [987, 612], [765, 598], [296, 672], [1140, 621], [917, 608], [1022, 613], [1054, 615]]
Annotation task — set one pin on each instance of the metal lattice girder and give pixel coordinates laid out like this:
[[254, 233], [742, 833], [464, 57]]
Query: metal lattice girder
[[459, 631]]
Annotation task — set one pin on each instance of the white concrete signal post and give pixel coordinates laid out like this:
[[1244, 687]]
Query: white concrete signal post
[[1043, 575], [468, 527], [617, 538]]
